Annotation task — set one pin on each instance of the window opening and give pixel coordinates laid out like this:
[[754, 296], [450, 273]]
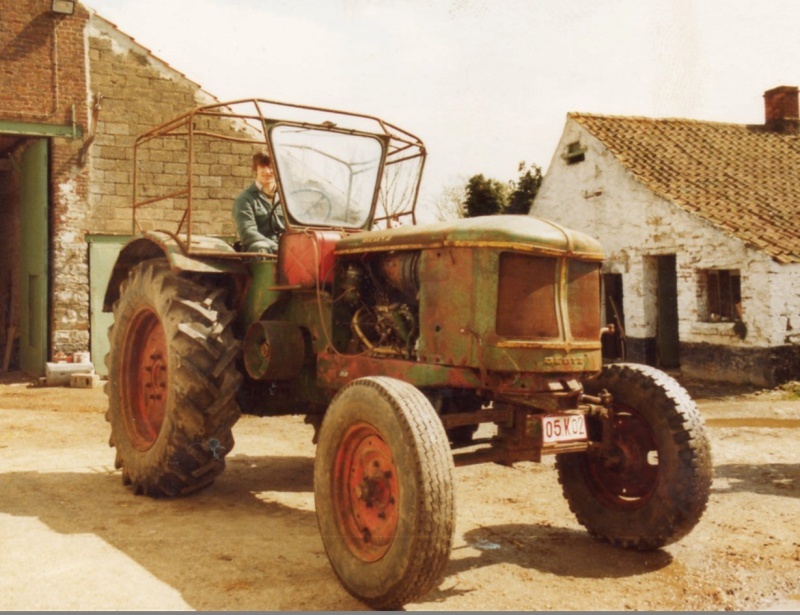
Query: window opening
[[575, 153], [723, 295]]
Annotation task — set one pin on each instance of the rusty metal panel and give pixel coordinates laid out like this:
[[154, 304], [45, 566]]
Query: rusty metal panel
[[527, 295], [262, 292], [583, 300], [516, 233], [336, 370], [273, 350], [307, 258], [447, 308]]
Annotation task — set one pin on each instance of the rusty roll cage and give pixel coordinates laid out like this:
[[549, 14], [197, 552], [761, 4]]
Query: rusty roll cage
[[401, 146]]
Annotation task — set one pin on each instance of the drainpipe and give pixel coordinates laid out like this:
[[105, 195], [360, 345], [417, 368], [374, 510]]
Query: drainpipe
[[88, 143]]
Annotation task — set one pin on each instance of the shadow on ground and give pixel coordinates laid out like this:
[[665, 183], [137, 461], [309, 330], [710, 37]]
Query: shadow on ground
[[251, 541], [763, 479], [233, 546]]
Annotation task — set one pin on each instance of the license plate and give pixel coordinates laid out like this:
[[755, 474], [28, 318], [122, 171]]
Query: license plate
[[563, 428]]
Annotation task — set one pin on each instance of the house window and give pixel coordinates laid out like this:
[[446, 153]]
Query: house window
[[722, 291], [575, 153]]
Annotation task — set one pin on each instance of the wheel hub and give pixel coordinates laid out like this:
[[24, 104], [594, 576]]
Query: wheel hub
[[144, 378], [627, 472], [367, 491]]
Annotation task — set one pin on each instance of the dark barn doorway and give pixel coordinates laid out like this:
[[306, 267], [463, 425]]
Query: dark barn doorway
[[667, 336], [24, 255], [613, 343]]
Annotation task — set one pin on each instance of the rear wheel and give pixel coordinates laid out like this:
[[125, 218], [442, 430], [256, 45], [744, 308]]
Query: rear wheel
[[648, 487], [171, 382], [383, 483]]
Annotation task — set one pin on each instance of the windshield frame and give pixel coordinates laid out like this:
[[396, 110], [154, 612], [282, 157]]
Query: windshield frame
[[293, 216]]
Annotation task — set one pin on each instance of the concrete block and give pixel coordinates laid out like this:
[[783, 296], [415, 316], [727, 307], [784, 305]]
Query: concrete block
[[84, 381], [59, 374]]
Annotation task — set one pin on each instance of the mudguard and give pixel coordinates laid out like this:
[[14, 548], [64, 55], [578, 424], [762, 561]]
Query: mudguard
[[208, 255]]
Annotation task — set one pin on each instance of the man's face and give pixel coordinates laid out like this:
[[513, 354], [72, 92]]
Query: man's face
[[265, 175]]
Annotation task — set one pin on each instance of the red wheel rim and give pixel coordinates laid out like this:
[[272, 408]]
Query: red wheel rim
[[626, 474], [144, 378], [366, 492]]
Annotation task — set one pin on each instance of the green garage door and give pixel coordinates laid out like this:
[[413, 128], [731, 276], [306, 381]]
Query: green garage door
[[34, 262], [103, 251]]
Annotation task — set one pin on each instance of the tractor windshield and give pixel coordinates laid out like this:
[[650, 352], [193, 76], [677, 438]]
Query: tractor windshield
[[328, 178]]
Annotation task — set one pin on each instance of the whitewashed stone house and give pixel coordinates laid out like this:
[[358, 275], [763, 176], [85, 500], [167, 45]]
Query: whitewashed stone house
[[700, 226]]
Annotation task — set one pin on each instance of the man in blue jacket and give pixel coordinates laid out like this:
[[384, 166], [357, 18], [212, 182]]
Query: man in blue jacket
[[256, 211]]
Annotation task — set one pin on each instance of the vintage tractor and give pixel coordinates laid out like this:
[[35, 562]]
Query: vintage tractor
[[396, 341]]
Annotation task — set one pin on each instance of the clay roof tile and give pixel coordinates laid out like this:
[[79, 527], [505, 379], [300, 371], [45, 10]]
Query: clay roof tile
[[741, 178]]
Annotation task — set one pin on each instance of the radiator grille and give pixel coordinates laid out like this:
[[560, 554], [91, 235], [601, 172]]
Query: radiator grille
[[583, 299], [526, 302]]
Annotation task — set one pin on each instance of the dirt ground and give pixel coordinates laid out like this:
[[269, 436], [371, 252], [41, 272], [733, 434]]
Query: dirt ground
[[72, 537]]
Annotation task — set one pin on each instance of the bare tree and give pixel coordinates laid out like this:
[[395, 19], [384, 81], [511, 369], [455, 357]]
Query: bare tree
[[449, 205]]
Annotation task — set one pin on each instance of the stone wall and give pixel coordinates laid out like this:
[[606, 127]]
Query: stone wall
[[138, 93], [766, 367]]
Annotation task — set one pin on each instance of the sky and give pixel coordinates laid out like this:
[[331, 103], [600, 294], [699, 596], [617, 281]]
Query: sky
[[486, 84]]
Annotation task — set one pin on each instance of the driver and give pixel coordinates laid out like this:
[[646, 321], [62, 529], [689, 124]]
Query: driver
[[257, 212]]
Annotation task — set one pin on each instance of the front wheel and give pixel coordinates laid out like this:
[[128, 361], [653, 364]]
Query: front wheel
[[383, 484], [649, 485]]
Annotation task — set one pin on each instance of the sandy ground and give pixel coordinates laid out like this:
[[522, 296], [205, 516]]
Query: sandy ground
[[72, 537]]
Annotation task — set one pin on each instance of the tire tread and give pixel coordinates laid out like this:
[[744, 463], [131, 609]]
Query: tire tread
[[190, 452]]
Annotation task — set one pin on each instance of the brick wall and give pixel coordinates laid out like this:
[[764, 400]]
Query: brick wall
[[43, 68], [43, 72]]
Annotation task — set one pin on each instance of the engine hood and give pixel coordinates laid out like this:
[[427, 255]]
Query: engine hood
[[518, 233]]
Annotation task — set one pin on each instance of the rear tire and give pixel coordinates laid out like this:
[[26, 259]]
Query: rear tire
[[651, 486], [383, 484], [172, 381]]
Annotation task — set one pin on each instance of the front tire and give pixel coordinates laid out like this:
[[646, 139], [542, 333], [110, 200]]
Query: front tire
[[171, 382], [649, 486], [383, 484]]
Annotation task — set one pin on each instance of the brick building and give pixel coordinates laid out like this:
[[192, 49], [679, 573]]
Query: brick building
[[699, 224], [75, 93]]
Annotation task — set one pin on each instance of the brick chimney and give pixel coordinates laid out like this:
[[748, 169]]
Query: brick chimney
[[781, 109]]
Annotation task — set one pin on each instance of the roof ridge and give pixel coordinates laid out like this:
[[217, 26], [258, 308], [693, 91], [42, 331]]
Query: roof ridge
[[643, 118]]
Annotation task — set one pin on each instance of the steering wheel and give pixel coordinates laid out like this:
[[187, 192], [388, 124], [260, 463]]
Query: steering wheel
[[314, 203]]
